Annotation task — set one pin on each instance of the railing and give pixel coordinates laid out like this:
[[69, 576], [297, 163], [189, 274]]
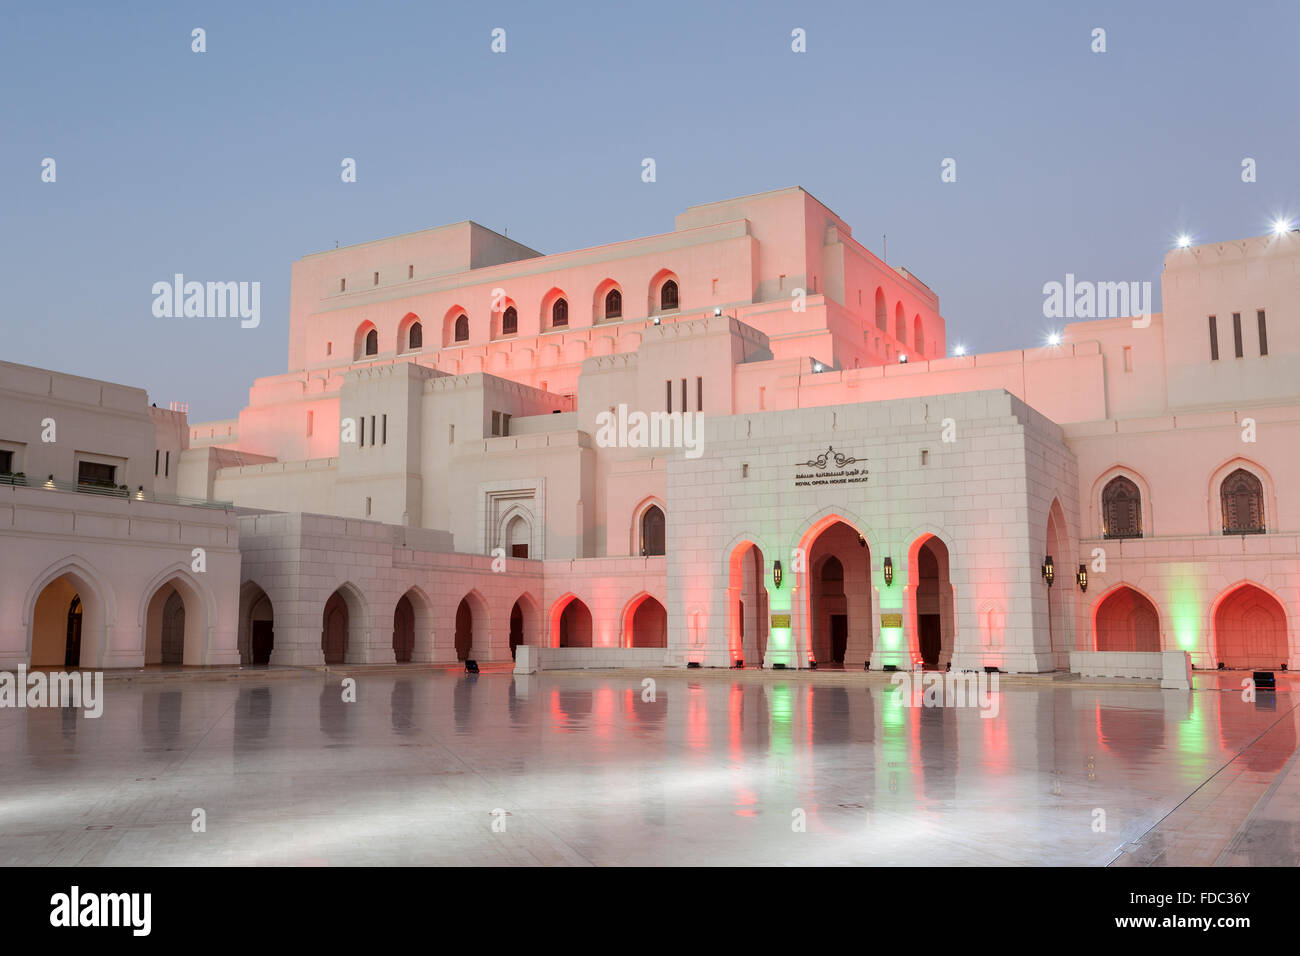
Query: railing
[[111, 491]]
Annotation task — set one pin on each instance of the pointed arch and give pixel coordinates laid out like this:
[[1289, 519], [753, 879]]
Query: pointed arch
[[569, 622], [1097, 506], [410, 333], [664, 293], [1268, 506], [505, 321], [98, 604], [882, 311], [1251, 627], [365, 342], [455, 324], [345, 625], [644, 622], [472, 627], [637, 543], [199, 614], [900, 324], [556, 311], [607, 303]]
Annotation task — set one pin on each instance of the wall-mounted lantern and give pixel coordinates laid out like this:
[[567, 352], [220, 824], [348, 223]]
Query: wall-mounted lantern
[[776, 574], [1049, 570], [1082, 577], [889, 572]]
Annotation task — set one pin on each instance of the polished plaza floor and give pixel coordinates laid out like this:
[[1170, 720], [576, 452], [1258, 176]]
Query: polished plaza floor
[[582, 769]]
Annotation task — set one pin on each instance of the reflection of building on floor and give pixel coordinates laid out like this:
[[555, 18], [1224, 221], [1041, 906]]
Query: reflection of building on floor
[[428, 498]]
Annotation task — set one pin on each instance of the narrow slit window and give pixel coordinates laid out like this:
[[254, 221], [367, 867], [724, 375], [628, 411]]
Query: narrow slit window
[[1236, 333], [167, 464], [1128, 358], [155, 462], [410, 272], [311, 420], [1214, 339], [361, 437], [669, 389], [376, 278], [384, 440], [1263, 333], [699, 393]]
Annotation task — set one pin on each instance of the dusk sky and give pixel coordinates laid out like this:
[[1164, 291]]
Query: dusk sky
[[225, 165]]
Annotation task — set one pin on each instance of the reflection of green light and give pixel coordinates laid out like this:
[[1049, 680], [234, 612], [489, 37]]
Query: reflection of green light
[[891, 638], [1185, 604], [892, 714], [1191, 730], [782, 705], [781, 716]]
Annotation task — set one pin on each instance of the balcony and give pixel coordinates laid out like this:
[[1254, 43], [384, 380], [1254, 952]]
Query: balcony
[[104, 489]]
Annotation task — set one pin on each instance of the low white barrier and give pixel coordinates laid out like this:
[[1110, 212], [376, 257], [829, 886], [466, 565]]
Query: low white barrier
[[1172, 668], [529, 660]]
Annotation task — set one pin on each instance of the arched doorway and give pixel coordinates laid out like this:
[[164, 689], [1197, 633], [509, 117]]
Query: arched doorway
[[572, 627], [403, 631], [839, 600], [72, 647], [67, 623], [935, 618], [334, 629], [173, 629], [831, 610], [464, 630], [516, 628], [647, 624], [1059, 592], [1127, 621], [1250, 630], [747, 605], [174, 623], [256, 625]]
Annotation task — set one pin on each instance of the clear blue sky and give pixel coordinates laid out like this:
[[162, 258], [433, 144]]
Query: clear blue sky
[[225, 165]]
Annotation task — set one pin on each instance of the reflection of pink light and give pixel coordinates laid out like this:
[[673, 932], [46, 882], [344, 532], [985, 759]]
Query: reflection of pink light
[[697, 719], [604, 712], [735, 711]]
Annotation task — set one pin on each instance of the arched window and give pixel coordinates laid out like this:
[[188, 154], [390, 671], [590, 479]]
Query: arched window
[[882, 319], [1121, 509], [415, 336], [1242, 496], [918, 335], [560, 313], [614, 304], [372, 342], [462, 328], [652, 531], [668, 295], [509, 321], [900, 325]]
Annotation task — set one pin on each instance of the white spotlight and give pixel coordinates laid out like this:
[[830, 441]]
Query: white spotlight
[[959, 350], [1281, 227], [656, 320], [1054, 338], [902, 358], [717, 310], [1184, 240], [817, 366]]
